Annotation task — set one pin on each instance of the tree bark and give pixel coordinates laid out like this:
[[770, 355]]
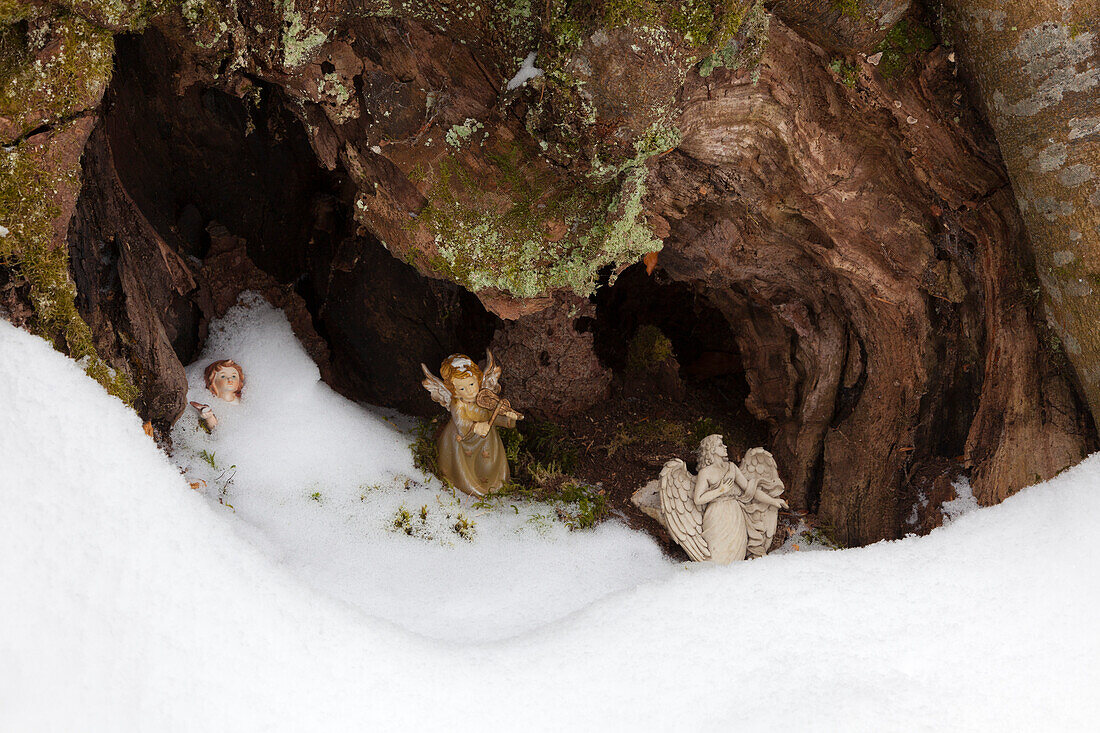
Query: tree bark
[[1036, 64]]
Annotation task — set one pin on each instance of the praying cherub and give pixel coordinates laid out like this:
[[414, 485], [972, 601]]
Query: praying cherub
[[471, 454]]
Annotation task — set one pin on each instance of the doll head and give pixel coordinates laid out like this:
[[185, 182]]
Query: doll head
[[461, 376], [711, 449], [225, 379]]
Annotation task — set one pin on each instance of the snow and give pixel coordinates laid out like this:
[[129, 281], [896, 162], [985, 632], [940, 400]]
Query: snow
[[322, 480], [134, 602], [963, 503], [527, 72]]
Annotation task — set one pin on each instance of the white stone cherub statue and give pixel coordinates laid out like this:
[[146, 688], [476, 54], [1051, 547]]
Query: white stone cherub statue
[[727, 512], [471, 453]]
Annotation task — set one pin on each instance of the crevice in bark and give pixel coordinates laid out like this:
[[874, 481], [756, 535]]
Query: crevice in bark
[[703, 342], [205, 193]]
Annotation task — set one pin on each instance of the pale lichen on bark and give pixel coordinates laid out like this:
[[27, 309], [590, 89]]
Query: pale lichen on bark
[[1037, 66]]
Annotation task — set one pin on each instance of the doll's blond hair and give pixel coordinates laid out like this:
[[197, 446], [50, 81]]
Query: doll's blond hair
[[458, 365]]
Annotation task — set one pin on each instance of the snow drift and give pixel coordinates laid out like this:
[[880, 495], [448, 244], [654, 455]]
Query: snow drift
[[133, 602], [319, 480]]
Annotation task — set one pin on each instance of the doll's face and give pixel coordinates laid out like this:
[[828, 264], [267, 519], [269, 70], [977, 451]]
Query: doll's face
[[465, 388], [226, 383]]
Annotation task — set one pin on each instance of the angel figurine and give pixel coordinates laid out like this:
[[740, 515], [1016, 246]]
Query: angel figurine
[[471, 454], [727, 512]]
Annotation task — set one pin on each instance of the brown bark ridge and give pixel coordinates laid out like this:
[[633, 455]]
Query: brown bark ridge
[[133, 288], [809, 210], [1036, 65]]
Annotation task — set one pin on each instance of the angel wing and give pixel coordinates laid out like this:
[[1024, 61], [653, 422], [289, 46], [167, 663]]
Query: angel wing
[[682, 517], [760, 465], [760, 469], [436, 388], [490, 377]]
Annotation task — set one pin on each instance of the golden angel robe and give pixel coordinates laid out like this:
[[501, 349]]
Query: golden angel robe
[[475, 464]]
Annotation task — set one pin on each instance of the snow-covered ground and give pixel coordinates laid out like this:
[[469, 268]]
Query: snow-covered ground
[[132, 602], [319, 481]]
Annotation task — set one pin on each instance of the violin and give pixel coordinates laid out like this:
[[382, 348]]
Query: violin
[[490, 400]]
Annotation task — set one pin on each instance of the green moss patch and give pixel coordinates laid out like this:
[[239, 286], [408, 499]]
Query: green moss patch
[[648, 348], [13, 11], [541, 457], [71, 78], [906, 39], [299, 39], [529, 232], [847, 8], [742, 41], [28, 210], [701, 23], [845, 71]]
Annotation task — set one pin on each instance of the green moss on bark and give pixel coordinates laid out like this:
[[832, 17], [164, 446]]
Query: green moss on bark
[[47, 76], [845, 71], [743, 40], [28, 185], [847, 8], [647, 349], [13, 11], [541, 237], [40, 87], [906, 39], [300, 40]]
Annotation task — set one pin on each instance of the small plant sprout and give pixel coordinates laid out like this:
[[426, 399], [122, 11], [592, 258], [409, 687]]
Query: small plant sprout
[[209, 458], [541, 522], [402, 521], [412, 525], [224, 481], [316, 496], [464, 527]]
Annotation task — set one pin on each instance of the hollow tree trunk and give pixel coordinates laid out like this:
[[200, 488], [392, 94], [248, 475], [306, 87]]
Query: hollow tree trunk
[[856, 232]]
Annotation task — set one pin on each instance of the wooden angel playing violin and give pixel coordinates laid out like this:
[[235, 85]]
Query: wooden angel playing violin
[[471, 454]]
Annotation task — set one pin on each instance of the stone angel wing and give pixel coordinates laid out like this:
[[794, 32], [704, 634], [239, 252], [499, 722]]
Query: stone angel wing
[[490, 377], [760, 470], [682, 517], [759, 464], [436, 388]]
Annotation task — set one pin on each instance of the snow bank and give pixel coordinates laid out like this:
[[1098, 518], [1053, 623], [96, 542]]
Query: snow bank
[[321, 480], [133, 602]]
